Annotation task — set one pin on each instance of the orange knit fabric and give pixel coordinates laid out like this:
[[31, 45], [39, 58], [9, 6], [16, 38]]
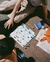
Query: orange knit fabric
[[47, 36]]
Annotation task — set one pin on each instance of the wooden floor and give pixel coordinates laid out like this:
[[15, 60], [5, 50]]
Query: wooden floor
[[33, 51]]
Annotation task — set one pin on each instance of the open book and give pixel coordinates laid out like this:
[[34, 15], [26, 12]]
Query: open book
[[44, 45], [23, 34]]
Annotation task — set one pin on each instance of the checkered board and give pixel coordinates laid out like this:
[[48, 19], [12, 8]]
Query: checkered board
[[22, 34]]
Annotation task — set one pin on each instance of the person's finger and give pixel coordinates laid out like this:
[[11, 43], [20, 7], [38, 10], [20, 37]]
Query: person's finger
[[5, 25], [8, 26]]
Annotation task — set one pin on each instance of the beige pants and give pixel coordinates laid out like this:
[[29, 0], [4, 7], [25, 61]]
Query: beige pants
[[22, 14], [7, 5]]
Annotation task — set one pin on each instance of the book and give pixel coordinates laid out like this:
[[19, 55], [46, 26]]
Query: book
[[22, 34], [43, 45], [39, 24]]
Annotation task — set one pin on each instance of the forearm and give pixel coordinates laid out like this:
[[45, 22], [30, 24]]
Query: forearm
[[16, 8], [45, 11]]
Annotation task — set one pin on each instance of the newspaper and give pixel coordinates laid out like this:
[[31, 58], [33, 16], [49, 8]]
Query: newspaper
[[44, 45]]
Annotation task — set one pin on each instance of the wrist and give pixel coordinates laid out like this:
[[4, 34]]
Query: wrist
[[12, 15], [12, 19]]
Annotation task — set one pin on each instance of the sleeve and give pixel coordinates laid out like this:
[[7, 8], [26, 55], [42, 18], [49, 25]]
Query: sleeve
[[44, 2]]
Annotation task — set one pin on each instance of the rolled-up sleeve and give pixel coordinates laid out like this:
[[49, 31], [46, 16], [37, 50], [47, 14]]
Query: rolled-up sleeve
[[44, 2]]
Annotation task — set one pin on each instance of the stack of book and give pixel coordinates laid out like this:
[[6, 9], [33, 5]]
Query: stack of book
[[39, 24]]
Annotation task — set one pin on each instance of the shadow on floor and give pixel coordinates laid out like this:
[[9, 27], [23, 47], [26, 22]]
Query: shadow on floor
[[30, 59]]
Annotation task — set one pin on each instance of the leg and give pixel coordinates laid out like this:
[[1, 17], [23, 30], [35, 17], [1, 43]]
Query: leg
[[39, 12], [2, 29], [7, 5]]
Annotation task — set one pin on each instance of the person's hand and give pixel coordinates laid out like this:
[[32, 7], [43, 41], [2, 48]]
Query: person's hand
[[9, 23]]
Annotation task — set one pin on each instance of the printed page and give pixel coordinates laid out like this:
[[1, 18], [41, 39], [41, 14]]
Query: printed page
[[44, 45], [23, 34]]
